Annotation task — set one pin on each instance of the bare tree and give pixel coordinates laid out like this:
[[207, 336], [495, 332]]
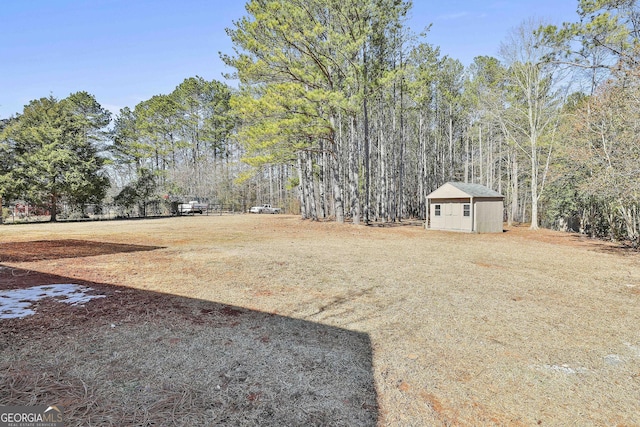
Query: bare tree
[[534, 104]]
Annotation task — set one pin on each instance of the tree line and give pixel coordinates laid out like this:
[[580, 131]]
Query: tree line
[[374, 118], [176, 146], [343, 112], [168, 148]]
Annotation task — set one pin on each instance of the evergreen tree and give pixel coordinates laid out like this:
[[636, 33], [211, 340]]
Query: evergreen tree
[[7, 163], [53, 145]]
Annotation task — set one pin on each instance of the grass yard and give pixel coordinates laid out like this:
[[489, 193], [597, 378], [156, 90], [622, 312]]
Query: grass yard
[[273, 321]]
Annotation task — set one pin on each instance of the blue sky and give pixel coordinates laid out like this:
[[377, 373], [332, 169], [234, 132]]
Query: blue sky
[[126, 51]]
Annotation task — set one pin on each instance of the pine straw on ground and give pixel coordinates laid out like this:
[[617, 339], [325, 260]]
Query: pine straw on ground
[[142, 358], [269, 320]]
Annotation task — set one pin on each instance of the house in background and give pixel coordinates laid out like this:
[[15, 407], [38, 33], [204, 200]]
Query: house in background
[[472, 208]]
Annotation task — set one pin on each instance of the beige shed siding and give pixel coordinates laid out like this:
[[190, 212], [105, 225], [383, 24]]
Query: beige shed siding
[[488, 215], [437, 222], [451, 215]]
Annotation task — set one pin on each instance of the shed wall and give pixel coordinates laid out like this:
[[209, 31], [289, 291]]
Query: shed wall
[[451, 215], [489, 216]]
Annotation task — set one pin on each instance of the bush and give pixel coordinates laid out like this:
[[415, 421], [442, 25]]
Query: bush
[[76, 215]]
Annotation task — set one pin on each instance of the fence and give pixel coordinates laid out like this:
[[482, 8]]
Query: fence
[[22, 212]]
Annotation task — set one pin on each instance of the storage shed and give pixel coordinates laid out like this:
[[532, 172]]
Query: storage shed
[[472, 208]]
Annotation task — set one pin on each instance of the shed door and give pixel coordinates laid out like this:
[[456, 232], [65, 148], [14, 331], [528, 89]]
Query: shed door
[[452, 216]]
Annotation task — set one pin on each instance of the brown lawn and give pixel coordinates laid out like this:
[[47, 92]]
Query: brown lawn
[[270, 320]]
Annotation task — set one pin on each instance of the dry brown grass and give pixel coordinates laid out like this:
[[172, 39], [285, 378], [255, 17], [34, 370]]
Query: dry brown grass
[[520, 328]]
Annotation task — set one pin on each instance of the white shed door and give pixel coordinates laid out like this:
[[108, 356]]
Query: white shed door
[[452, 215]]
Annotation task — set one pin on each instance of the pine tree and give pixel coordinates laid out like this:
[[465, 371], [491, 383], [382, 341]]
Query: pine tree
[[307, 70]]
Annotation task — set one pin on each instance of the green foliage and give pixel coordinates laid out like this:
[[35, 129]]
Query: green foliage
[[283, 120], [7, 163], [127, 197], [139, 192], [53, 147], [203, 114], [301, 64], [422, 73], [175, 136], [127, 145], [156, 121], [293, 182], [605, 35]]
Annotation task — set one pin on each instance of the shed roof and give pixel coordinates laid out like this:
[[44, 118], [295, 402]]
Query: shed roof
[[463, 190]]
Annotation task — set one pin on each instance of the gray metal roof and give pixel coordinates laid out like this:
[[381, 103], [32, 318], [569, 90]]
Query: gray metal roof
[[475, 190], [470, 190]]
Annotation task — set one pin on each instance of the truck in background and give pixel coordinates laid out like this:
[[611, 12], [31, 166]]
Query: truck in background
[[192, 207], [267, 209]]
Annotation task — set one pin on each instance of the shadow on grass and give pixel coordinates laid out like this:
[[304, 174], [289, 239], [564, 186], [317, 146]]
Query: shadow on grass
[[403, 223], [143, 358], [573, 239], [40, 250]]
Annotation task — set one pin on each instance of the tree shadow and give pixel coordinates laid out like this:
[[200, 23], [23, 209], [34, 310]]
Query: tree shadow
[[41, 250], [577, 240], [620, 248], [403, 223], [136, 357]]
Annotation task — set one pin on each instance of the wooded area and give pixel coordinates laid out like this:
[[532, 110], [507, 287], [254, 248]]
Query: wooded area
[[344, 112]]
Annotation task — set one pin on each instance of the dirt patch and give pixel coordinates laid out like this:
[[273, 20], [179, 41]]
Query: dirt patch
[[40, 250]]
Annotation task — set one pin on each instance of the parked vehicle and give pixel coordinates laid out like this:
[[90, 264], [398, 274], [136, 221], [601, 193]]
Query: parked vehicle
[[192, 207], [267, 209]]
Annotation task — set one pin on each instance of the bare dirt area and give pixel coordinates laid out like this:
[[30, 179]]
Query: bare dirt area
[[270, 320]]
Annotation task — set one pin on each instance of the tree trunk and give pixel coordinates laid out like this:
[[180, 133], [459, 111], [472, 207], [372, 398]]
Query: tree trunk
[[401, 166], [382, 186], [337, 180], [54, 208], [301, 190], [270, 183], [367, 164], [514, 188], [466, 156], [421, 168], [311, 199], [353, 172], [323, 182], [481, 177], [393, 167], [534, 183], [367, 147], [450, 139]]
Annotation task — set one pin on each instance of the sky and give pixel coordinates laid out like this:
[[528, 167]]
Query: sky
[[126, 51]]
